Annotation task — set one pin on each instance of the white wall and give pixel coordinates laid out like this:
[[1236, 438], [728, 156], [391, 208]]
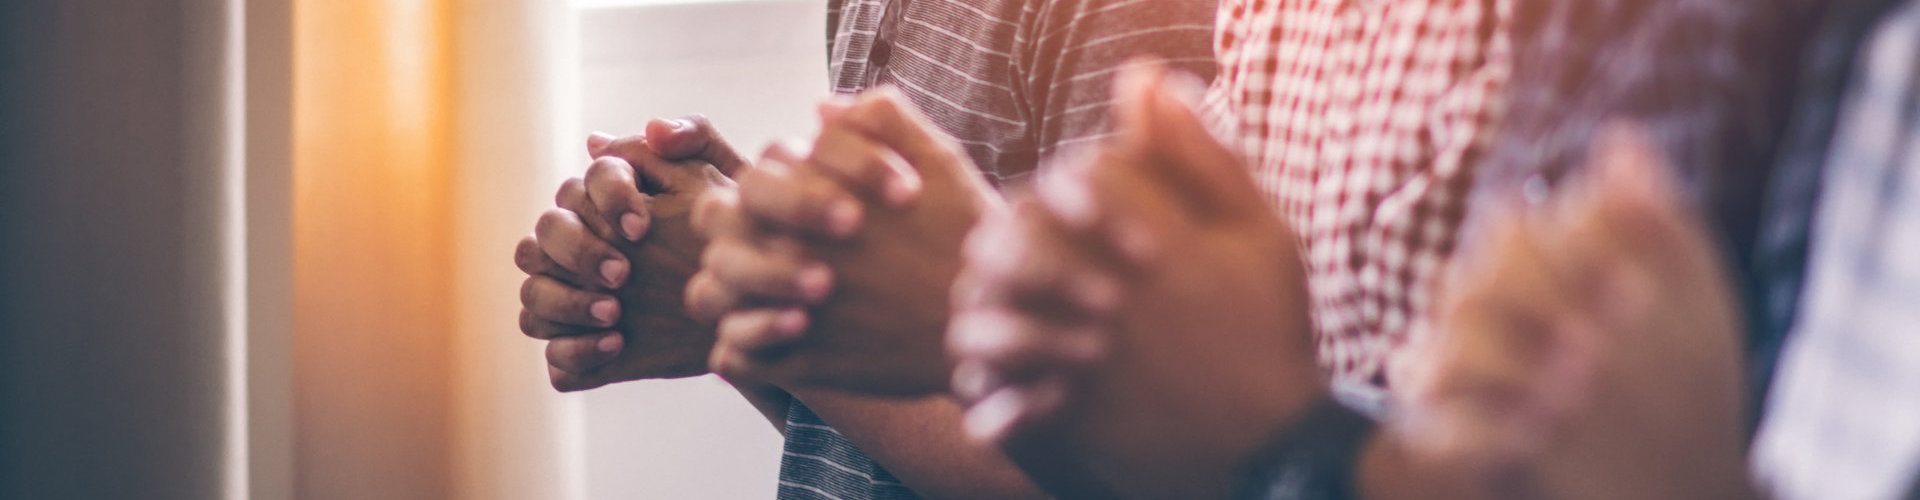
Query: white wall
[[516, 438], [755, 68]]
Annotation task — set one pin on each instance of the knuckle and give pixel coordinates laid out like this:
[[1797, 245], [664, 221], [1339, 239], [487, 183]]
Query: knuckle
[[704, 210], [551, 221], [571, 190], [564, 381], [555, 357], [569, 355], [731, 329], [715, 256], [702, 297], [528, 293], [626, 147], [528, 324], [607, 171], [527, 255], [589, 251]]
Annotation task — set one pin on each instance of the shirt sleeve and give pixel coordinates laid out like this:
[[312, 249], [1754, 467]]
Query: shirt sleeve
[[1069, 51]]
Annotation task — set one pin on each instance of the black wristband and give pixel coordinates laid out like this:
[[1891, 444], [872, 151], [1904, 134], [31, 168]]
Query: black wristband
[[1315, 458]]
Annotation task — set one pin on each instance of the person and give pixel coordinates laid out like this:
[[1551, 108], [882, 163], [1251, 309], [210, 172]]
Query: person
[[1322, 137], [1361, 123], [1839, 419], [1171, 294], [1010, 81], [1837, 422], [1335, 128]]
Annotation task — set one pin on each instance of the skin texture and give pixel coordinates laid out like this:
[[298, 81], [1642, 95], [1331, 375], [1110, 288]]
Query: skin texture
[[608, 265], [1588, 348], [918, 440], [1145, 315], [1585, 350], [880, 202]]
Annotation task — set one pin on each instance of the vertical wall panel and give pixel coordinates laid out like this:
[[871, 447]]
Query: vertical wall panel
[[112, 238]]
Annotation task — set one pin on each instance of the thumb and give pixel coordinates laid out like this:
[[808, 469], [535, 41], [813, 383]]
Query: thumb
[[1639, 201], [1159, 121], [656, 173], [885, 116], [694, 137], [597, 143]]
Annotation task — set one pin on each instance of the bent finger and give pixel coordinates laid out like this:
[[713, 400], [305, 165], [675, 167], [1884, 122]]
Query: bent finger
[[756, 271], [866, 167], [780, 197], [763, 332], [534, 326], [554, 301], [565, 239], [615, 193], [1005, 416], [695, 137], [1019, 348], [583, 353], [708, 299], [565, 381], [533, 260], [1026, 262]]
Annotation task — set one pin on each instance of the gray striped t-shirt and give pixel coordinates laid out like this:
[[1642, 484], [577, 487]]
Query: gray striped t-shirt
[[1013, 81]]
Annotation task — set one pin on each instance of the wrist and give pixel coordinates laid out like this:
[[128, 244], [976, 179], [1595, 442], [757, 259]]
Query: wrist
[[1315, 456], [769, 400]]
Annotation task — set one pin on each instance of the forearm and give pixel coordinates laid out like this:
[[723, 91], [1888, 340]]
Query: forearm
[[1388, 469], [920, 441]]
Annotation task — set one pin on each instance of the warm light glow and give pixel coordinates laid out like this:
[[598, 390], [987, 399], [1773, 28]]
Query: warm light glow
[[373, 279]]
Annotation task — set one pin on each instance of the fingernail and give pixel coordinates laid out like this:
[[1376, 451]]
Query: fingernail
[[903, 190], [980, 334], [680, 124], [971, 380], [1069, 198], [1185, 88], [614, 271], [598, 141], [634, 226], [815, 282], [843, 219], [790, 323], [990, 419], [604, 311], [610, 343]]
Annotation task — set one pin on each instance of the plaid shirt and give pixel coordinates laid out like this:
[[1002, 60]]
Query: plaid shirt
[[1364, 120], [1843, 419]]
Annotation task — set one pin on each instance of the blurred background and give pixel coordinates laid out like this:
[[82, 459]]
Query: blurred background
[[261, 248]]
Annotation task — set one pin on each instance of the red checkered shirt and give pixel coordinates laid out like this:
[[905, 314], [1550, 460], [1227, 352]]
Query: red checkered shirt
[[1364, 120]]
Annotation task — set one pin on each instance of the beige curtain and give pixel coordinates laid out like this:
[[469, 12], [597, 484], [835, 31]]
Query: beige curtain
[[421, 130]]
